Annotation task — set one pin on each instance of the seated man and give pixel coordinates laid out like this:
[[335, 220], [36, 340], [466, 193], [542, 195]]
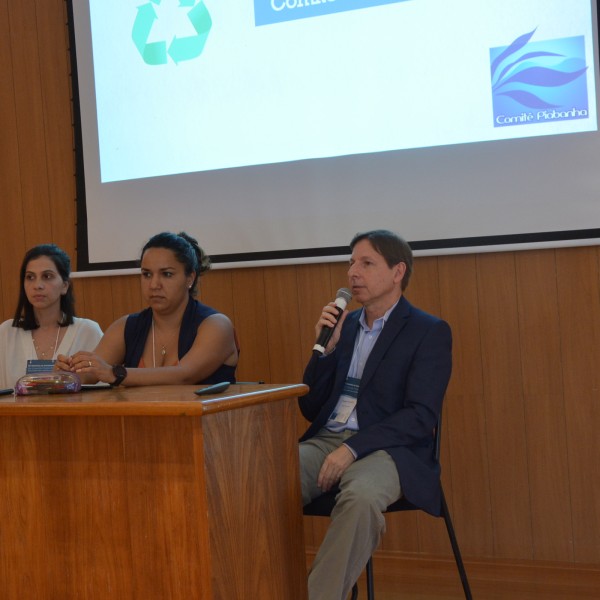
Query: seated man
[[374, 400]]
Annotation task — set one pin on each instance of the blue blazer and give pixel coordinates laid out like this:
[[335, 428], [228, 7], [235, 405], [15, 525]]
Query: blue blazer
[[399, 398]]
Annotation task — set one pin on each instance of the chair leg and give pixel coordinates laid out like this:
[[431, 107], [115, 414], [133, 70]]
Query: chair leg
[[370, 584], [455, 548], [370, 592]]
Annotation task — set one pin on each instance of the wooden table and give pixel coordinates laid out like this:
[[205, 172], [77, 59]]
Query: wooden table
[[151, 492]]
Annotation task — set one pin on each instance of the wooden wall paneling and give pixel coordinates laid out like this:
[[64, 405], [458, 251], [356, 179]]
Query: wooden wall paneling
[[94, 300], [314, 292], [402, 532], [126, 295], [464, 427], [505, 418], [2, 312], [547, 452], [78, 285], [12, 233], [30, 122], [216, 290], [9, 290], [423, 287], [314, 531], [339, 277], [251, 324], [58, 130], [579, 313], [10, 262], [283, 325]]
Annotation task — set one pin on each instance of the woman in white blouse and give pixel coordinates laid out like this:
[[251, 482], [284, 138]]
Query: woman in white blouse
[[44, 324]]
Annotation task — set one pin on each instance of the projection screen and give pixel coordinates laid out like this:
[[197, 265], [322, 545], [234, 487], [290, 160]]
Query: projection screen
[[274, 130]]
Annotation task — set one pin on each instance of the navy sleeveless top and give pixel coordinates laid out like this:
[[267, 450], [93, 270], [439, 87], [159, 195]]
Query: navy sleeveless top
[[138, 326]]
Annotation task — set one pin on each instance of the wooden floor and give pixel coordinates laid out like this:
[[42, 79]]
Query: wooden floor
[[405, 578]]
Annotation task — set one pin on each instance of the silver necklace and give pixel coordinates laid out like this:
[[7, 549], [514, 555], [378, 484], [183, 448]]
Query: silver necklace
[[41, 353]]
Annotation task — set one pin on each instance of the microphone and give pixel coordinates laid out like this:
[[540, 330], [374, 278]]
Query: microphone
[[342, 297]]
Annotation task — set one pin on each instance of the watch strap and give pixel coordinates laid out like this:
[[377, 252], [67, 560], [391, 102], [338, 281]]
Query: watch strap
[[120, 372]]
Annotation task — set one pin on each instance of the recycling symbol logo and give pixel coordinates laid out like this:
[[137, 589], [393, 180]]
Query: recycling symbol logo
[[180, 48]]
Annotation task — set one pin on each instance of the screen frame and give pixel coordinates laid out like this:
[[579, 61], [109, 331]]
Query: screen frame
[[456, 245]]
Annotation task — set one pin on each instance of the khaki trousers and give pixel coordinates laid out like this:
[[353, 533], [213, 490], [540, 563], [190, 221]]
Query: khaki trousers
[[367, 488]]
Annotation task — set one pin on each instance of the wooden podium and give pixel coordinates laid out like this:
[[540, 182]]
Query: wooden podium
[[152, 493]]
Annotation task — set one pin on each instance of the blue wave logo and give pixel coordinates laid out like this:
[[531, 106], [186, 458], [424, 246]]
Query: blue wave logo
[[539, 82]]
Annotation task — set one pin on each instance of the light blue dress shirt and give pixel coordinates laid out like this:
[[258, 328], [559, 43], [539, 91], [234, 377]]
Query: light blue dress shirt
[[365, 340]]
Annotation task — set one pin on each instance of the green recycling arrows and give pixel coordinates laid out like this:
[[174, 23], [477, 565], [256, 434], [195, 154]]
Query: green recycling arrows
[[180, 49]]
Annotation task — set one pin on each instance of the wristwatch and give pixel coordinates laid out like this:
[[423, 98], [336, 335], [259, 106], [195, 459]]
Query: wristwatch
[[120, 372]]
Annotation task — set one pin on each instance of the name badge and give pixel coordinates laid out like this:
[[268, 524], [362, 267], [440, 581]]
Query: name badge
[[39, 366], [347, 401]]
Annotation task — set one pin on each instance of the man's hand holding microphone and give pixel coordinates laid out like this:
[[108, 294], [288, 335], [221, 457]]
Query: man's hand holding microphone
[[329, 325]]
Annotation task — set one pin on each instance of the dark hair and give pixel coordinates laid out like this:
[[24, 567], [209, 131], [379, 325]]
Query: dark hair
[[186, 250], [24, 315], [391, 246]]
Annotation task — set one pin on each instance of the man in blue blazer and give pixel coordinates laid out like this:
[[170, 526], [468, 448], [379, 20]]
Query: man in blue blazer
[[375, 396]]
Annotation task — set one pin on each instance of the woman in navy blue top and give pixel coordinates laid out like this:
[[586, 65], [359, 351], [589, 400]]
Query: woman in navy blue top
[[176, 339]]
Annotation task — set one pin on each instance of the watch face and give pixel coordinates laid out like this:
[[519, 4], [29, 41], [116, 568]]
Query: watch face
[[120, 372]]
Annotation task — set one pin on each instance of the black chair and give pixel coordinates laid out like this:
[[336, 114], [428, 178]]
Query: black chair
[[323, 505]]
